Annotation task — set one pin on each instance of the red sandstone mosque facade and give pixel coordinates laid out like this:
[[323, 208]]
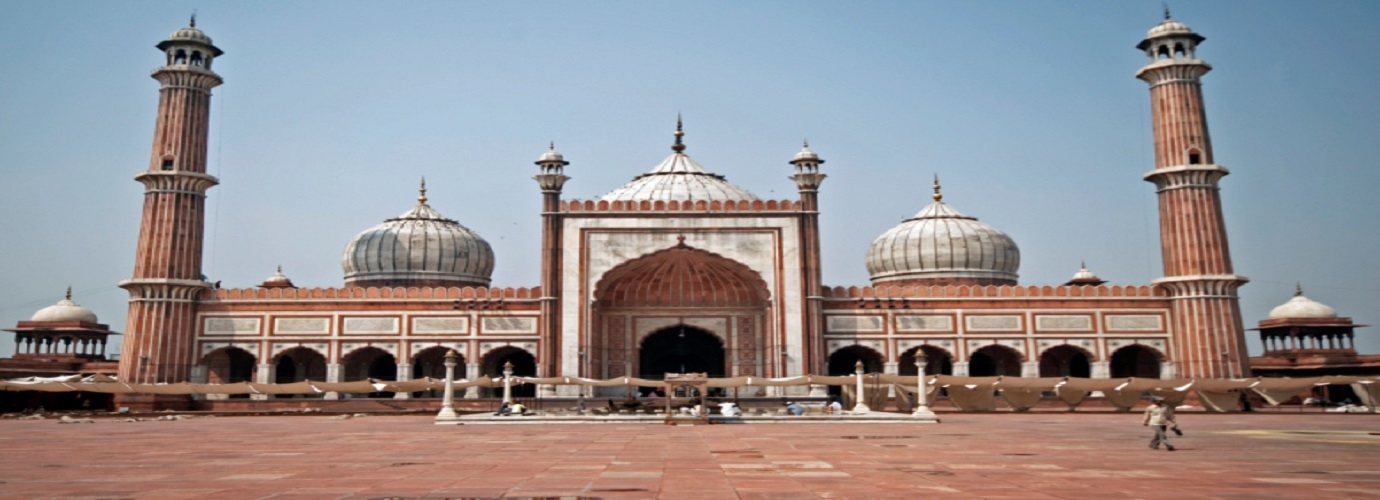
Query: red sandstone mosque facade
[[681, 271]]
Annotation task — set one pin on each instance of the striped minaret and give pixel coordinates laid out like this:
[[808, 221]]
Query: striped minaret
[[167, 264], [1208, 339]]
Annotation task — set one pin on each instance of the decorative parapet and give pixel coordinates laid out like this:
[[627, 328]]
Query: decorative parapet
[[436, 293], [993, 291], [680, 206]]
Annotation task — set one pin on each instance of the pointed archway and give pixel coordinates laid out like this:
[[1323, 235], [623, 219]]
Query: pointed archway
[[680, 349], [717, 301]]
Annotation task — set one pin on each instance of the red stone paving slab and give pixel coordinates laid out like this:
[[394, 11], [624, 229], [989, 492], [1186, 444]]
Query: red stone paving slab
[[1000, 455]]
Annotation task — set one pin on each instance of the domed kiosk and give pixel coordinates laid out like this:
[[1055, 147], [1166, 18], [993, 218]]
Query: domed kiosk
[[420, 248], [942, 246], [1303, 338], [64, 331]]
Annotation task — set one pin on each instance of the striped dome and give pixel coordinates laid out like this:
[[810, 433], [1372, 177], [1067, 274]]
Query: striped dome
[[941, 246], [418, 248]]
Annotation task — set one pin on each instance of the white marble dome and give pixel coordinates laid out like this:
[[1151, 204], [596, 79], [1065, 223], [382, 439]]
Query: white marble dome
[[65, 310], [190, 34], [679, 178], [941, 245], [1168, 27], [1302, 307], [418, 248]]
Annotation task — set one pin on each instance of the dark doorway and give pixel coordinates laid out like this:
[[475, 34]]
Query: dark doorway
[[1135, 361], [680, 349], [524, 365], [1065, 361], [995, 361]]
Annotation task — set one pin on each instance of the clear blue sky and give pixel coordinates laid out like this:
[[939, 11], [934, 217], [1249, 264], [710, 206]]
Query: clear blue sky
[[1029, 112]]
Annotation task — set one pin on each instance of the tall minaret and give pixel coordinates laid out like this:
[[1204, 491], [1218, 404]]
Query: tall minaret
[[551, 177], [167, 265], [808, 179], [1208, 337]]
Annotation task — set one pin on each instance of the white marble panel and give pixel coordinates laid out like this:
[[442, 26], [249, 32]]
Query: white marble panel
[[854, 324], [370, 326], [440, 326], [939, 323], [301, 326], [993, 323], [1063, 323], [230, 326], [508, 324]]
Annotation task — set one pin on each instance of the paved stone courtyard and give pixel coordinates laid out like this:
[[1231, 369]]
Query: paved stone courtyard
[[1039, 455]]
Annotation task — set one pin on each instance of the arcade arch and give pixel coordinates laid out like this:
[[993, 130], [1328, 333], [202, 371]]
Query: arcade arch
[[1136, 361], [524, 365], [680, 349], [298, 364], [938, 361], [995, 361], [1066, 361], [229, 365]]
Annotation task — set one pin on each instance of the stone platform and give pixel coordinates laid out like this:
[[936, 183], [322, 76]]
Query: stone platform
[[991, 455]]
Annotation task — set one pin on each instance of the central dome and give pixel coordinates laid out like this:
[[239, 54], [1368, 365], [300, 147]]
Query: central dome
[[419, 248], [941, 246], [679, 178]]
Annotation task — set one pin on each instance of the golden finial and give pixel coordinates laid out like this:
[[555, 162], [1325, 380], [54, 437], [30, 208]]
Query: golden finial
[[678, 146], [422, 198], [69, 292], [937, 195]]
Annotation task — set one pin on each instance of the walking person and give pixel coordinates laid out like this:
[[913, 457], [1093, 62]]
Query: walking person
[[1161, 417]]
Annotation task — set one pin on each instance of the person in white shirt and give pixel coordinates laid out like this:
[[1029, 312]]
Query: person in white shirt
[[834, 408], [728, 409], [1161, 417]]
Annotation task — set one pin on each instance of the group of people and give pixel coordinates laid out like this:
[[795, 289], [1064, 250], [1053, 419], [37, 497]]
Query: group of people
[[509, 409]]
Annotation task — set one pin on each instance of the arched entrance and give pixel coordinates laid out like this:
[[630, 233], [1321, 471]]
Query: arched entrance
[[995, 361], [938, 361], [229, 365], [1065, 361], [639, 301], [680, 349], [299, 364], [431, 362], [524, 365], [1135, 361]]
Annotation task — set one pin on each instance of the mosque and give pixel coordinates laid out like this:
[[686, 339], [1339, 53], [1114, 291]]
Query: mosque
[[678, 271]]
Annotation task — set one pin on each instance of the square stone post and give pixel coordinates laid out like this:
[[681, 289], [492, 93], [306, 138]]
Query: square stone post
[[333, 371], [264, 376], [404, 375]]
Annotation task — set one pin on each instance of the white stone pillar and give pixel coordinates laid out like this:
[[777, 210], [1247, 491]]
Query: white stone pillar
[[1169, 369], [891, 368], [922, 412], [264, 375], [961, 369], [1030, 369], [404, 375], [472, 372], [1101, 369], [508, 382], [447, 412], [333, 371], [860, 406]]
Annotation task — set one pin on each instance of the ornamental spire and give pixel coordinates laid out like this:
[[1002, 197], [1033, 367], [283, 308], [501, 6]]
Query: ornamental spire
[[69, 292], [679, 146], [1166, 11], [1298, 289], [938, 197], [422, 198], [193, 21]]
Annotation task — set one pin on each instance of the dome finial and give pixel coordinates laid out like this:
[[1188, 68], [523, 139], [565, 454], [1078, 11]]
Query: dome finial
[[552, 146], [193, 21], [1298, 289], [680, 132], [937, 196], [1166, 11], [69, 292], [422, 198], [280, 269], [806, 144]]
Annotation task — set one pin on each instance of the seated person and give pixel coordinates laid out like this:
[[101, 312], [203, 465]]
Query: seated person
[[504, 410], [835, 407], [794, 408], [518, 409]]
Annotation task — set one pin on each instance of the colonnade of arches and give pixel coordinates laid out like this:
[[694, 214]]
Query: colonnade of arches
[[998, 360], [229, 365]]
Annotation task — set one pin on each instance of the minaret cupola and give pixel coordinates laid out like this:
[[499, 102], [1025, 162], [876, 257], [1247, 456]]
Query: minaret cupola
[[190, 47]]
